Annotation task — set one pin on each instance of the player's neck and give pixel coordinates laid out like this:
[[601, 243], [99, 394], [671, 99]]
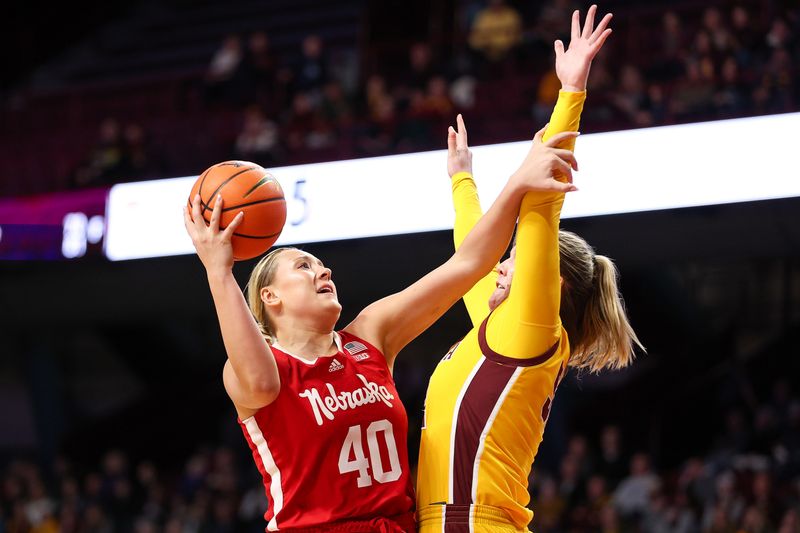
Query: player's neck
[[307, 344]]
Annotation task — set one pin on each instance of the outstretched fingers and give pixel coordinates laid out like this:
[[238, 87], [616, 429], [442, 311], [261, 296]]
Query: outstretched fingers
[[559, 47], [451, 142], [576, 25], [461, 139], [588, 26], [598, 44], [601, 28]]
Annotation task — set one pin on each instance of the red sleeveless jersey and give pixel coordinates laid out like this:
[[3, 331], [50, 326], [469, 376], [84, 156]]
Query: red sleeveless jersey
[[332, 446]]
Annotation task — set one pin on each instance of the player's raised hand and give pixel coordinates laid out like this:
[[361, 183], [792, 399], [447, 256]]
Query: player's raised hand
[[547, 168], [459, 156], [573, 64], [212, 244]]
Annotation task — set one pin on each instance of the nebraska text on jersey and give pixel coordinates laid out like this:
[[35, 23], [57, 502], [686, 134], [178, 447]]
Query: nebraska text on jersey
[[369, 393]]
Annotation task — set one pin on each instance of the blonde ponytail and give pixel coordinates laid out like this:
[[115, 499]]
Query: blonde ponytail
[[592, 309]]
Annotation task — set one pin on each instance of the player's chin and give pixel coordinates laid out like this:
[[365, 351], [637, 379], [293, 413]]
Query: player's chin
[[331, 311], [328, 302]]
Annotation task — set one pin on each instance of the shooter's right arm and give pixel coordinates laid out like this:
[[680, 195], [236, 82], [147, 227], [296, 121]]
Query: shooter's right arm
[[251, 374]]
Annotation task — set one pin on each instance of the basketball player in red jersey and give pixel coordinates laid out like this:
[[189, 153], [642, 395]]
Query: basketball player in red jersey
[[318, 407]]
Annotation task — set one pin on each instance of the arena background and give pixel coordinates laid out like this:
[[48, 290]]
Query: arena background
[[112, 411]]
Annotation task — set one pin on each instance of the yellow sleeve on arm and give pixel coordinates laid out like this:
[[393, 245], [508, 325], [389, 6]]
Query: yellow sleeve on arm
[[566, 116], [527, 324], [468, 210]]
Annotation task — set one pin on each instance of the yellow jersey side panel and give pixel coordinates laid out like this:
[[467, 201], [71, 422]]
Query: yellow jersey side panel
[[513, 439], [444, 389]]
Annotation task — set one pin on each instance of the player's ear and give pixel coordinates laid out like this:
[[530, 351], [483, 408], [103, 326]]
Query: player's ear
[[269, 297]]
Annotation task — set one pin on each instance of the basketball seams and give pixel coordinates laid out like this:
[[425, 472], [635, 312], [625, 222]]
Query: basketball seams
[[266, 178], [221, 185], [239, 206], [245, 236], [256, 236]]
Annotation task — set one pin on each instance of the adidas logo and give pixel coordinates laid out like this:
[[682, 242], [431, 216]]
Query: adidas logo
[[335, 365]]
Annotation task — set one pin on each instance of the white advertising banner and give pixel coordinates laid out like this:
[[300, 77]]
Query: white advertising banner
[[625, 171]]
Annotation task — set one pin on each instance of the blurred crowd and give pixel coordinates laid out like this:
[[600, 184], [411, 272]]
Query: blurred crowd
[[746, 480], [212, 493], [661, 66], [122, 152]]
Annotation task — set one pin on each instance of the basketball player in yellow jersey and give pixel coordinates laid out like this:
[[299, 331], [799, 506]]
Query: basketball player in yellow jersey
[[489, 398]]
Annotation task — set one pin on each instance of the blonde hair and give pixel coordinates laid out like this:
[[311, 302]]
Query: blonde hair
[[262, 275], [592, 309]]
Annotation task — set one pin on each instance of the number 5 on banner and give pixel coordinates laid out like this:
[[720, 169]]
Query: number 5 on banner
[[300, 197], [352, 446]]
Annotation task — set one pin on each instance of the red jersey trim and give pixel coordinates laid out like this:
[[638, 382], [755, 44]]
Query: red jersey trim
[[337, 338], [266, 465]]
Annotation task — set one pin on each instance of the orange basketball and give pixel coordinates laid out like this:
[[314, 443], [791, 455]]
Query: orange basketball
[[247, 187]]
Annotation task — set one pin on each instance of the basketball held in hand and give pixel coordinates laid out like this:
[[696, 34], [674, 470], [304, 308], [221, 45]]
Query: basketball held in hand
[[247, 187]]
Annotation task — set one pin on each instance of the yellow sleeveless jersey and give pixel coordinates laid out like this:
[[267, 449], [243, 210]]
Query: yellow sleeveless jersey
[[489, 398]]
